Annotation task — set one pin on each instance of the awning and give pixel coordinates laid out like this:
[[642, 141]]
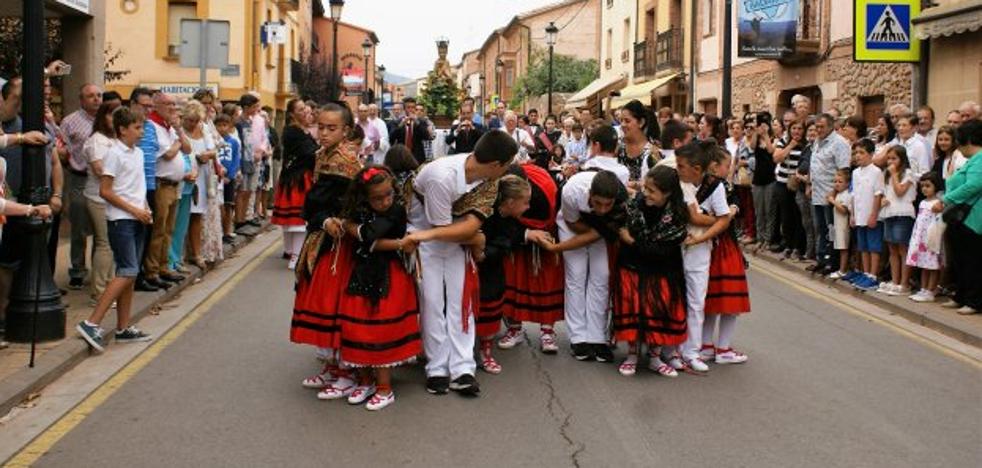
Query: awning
[[947, 20], [598, 85], [640, 91]]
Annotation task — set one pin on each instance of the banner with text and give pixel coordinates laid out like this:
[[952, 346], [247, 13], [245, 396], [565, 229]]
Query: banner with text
[[766, 28]]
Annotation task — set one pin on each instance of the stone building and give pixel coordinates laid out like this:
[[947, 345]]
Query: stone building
[[821, 68], [953, 31], [350, 55]]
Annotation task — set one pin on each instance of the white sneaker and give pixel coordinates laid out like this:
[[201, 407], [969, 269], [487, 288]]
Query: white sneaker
[[629, 366], [339, 389], [513, 337], [951, 304], [321, 380], [377, 402], [899, 291], [548, 342], [656, 364], [707, 352], [674, 361], [923, 296], [729, 356], [837, 275], [293, 263], [361, 393], [698, 364], [886, 288], [966, 310]]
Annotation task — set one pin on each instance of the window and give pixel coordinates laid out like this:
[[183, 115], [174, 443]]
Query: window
[[872, 109], [626, 44], [708, 18], [177, 11], [610, 3], [509, 77], [610, 46]]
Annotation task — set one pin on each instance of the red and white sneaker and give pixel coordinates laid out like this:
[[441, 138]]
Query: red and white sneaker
[[697, 364], [657, 365], [707, 352], [548, 341], [674, 361], [630, 366], [339, 389], [360, 394], [513, 337], [488, 363], [327, 376], [379, 401], [729, 356]]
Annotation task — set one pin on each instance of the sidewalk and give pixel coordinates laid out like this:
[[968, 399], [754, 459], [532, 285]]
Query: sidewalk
[[18, 381], [964, 328]]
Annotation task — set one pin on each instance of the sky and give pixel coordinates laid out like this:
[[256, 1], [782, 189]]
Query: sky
[[408, 29]]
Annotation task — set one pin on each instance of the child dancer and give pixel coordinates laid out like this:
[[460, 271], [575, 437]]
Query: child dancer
[[295, 180], [708, 217], [867, 197], [898, 218], [728, 294], [534, 281], [324, 263], [451, 197], [501, 231], [841, 201], [591, 203], [648, 287], [921, 254], [379, 328]]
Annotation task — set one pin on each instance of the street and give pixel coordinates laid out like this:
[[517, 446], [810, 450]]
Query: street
[[822, 388]]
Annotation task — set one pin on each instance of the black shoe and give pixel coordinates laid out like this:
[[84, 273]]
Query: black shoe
[[254, 222], [465, 385], [438, 385], [171, 277], [285, 256], [583, 351], [227, 239], [75, 284], [159, 283], [603, 353], [145, 286], [776, 248], [63, 292]]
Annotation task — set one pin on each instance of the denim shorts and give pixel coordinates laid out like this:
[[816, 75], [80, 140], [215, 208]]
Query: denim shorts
[[870, 239], [897, 229], [230, 190], [126, 237]]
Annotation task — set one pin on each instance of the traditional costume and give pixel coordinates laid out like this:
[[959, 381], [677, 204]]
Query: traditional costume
[[296, 178]]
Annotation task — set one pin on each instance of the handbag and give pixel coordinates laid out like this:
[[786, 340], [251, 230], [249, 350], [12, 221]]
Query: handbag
[[956, 214], [744, 177]]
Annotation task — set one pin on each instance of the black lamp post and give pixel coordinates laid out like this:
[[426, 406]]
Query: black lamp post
[[35, 312], [381, 74], [481, 79], [551, 32], [498, 68], [366, 49], [727, 97], [336, 7]]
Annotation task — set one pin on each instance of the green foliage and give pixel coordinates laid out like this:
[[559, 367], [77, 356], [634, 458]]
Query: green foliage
[[441, 95], [569, 75]]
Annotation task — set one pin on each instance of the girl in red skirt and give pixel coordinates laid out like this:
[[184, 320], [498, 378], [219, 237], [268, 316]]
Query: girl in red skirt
[[534, 279], [324, 262], [728, 293], [379, 318], [501, 232], [648, 286], [295, 180]]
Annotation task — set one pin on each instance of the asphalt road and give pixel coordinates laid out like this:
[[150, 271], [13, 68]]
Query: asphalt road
[[822, 388]]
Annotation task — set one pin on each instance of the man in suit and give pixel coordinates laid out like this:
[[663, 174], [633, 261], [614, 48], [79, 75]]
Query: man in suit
[[411, 131], [464, 133]]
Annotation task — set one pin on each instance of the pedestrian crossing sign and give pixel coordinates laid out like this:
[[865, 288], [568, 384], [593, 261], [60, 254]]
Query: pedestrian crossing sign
[[883, 33]]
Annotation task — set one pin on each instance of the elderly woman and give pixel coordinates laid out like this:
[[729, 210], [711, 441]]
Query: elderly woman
[[202, 156]]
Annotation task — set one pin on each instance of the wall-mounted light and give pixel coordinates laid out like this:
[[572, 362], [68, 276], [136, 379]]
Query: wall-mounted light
[[129, 6]]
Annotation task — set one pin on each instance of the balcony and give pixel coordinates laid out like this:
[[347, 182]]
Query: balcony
[[668, 50], [808, 37], [644, 59]]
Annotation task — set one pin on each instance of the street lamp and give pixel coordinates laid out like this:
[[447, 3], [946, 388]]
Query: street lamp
[[381, 100], [482, 80], [551, 32], [366, 49], [336, 7], [498, 67]]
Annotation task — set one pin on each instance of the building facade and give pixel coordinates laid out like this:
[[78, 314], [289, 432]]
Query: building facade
[[352, 60], [953, 31], [148, 37], [822, 67]]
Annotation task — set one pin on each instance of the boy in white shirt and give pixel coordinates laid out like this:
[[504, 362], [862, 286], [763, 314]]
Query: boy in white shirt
[[123, 187], [603, 144], [452, 197], [867, 196]]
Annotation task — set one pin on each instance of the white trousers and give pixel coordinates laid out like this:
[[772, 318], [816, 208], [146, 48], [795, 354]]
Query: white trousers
[[449, 350], [727, 326], [587, 285], [696, 262], [292, 240]]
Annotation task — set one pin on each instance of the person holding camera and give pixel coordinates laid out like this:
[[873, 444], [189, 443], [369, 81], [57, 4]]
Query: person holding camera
[[411, 131], [464, 134]]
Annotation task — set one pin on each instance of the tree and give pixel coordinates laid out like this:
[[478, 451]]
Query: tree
[[111, 57], [313, 79], [441, 95], [569, 75]]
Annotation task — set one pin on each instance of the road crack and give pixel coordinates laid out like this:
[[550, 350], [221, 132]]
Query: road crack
[[557, 410]]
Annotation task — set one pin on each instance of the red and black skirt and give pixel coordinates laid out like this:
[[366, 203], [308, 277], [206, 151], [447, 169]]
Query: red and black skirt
[[288, 203], [383, 333], [534, 288], [489, 317], [648, 306], [728, 292], [315, 308]]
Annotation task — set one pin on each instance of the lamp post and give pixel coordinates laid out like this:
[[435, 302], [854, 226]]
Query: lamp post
[[498, 67], [35, 312], [366, 49], [727, 97], [551, 32], [381, 99], [336, 7], [482, 80]]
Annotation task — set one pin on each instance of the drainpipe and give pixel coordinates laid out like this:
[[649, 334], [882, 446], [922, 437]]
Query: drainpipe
[[692, 58]]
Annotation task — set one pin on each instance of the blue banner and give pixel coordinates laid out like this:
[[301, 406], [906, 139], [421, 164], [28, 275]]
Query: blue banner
[[766, 28]]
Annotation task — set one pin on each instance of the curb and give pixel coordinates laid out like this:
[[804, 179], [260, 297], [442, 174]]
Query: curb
[[59, 360], [926, 320]]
